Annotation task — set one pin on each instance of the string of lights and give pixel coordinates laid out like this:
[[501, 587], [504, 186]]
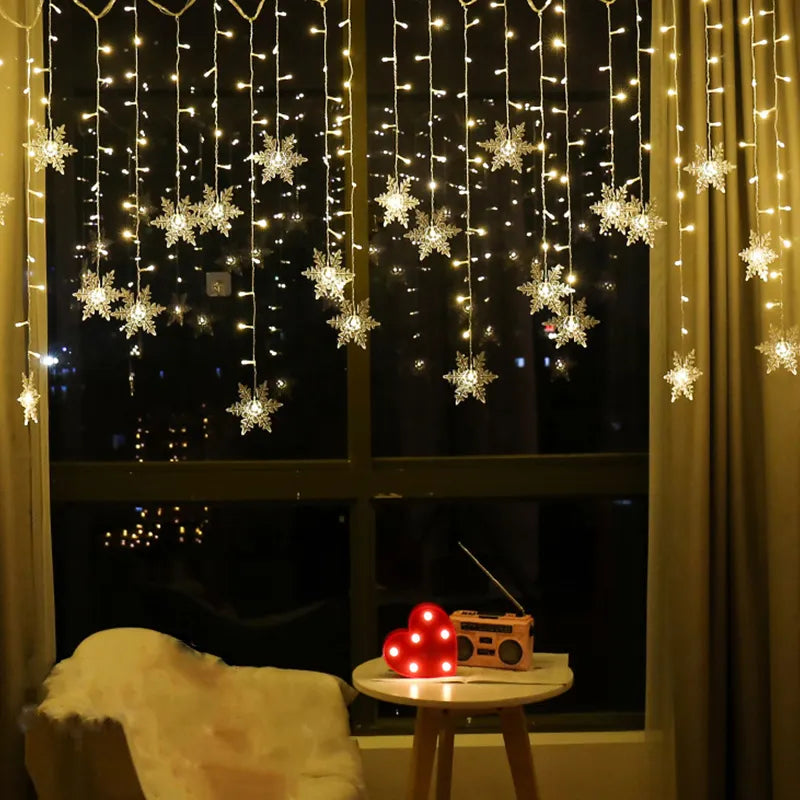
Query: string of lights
[[782, 346], [709, 167], [255, 407], [432, 232], [397, 200], [508, 145], [329, 276], [684, 372], [470, 377]]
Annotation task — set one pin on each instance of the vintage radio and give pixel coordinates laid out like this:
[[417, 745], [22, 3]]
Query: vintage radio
[[504, 641]]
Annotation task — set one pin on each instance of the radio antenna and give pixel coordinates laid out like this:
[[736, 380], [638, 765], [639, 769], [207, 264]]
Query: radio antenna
[[494, 580]]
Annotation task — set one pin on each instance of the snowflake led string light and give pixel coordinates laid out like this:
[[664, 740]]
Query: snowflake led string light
[[571, 325], [29, 398], [397, 201], [216, 210], [710, 168], [643, 222], [613, 208], [255, 408], [710, 171], [758, 256], [278, 158], [330, 278], [683, 376], [137, 312], [49, 149], [179, 218], [353, 323], [470, 378], [202, 323], [546, 291], [508, 145], [781, 348], [177, 310], [177, 221], [432, 234], [98, 294], [5, 199]]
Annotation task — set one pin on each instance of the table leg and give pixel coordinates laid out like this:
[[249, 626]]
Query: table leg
[[426, 732], [444, 765], [518, 751]]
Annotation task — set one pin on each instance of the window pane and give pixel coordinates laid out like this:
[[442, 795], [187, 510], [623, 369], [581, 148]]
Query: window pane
[[169, 393], [257, 585], [579, 567], [545, 400]]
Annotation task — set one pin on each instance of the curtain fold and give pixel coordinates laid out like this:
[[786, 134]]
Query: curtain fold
[[27, 637], [723, 705]]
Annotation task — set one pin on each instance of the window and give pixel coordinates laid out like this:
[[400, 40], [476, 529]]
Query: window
[[316, 539]]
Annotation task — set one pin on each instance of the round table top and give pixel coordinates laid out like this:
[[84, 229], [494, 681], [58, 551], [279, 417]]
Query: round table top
[[370, 679]]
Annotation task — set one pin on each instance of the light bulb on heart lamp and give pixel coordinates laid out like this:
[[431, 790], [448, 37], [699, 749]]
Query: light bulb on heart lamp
[[427, 648]]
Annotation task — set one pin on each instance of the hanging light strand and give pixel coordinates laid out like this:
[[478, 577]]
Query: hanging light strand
[[326, 129], [215, 68], [639, 122], [431, 157], [567, 148], [543, 139]]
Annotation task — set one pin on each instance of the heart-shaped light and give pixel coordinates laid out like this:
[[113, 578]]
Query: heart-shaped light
[[427, 648]]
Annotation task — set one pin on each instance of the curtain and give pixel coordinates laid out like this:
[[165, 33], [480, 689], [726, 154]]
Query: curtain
[[723, 705], [27, 640]]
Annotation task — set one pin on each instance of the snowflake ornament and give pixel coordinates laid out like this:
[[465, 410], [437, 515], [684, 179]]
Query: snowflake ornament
[[758, 255], [613, 208], [397, 201], [48, 148], [682, 376], [353, 323], [709, 169], [202, 323], [432, 233], [781, 348], [216, 210], [508, 146], [546, 292], [470, 378], [328, 276], [571, 326], [177, 310], [178, 221], [279, 159], [255, 408], [643, 222], [138, 313], [5, 199], [29, 398], [97, 294]]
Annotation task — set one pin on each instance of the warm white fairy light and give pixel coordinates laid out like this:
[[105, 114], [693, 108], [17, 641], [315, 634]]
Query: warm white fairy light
[[613, 207], [254, 407], [572, 322], [137, 311], [684, 373], [470, 376], [97, 292], [217, 209], [431, 233], [278, 158], [782, 347], [710, 167], [353, 321], [179, 218], [508, 145], [397, 200]]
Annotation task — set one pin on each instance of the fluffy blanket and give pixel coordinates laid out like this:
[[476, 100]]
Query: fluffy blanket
[[198, 729]]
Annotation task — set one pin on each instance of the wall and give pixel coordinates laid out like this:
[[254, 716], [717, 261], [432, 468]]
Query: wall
[[583, 766]]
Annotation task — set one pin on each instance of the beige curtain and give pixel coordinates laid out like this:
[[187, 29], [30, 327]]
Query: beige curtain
[[723, 701], [27, 640]]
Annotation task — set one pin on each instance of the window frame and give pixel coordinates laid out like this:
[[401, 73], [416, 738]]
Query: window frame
[[361, 479]]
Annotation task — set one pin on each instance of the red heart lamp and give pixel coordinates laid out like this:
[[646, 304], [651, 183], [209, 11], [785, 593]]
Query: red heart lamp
[[427, 649]]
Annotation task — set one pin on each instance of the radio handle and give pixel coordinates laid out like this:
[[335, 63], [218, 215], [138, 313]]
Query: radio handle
[[494, 580]]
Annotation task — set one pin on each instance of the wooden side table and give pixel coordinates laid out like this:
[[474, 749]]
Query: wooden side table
[[439, 708]]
